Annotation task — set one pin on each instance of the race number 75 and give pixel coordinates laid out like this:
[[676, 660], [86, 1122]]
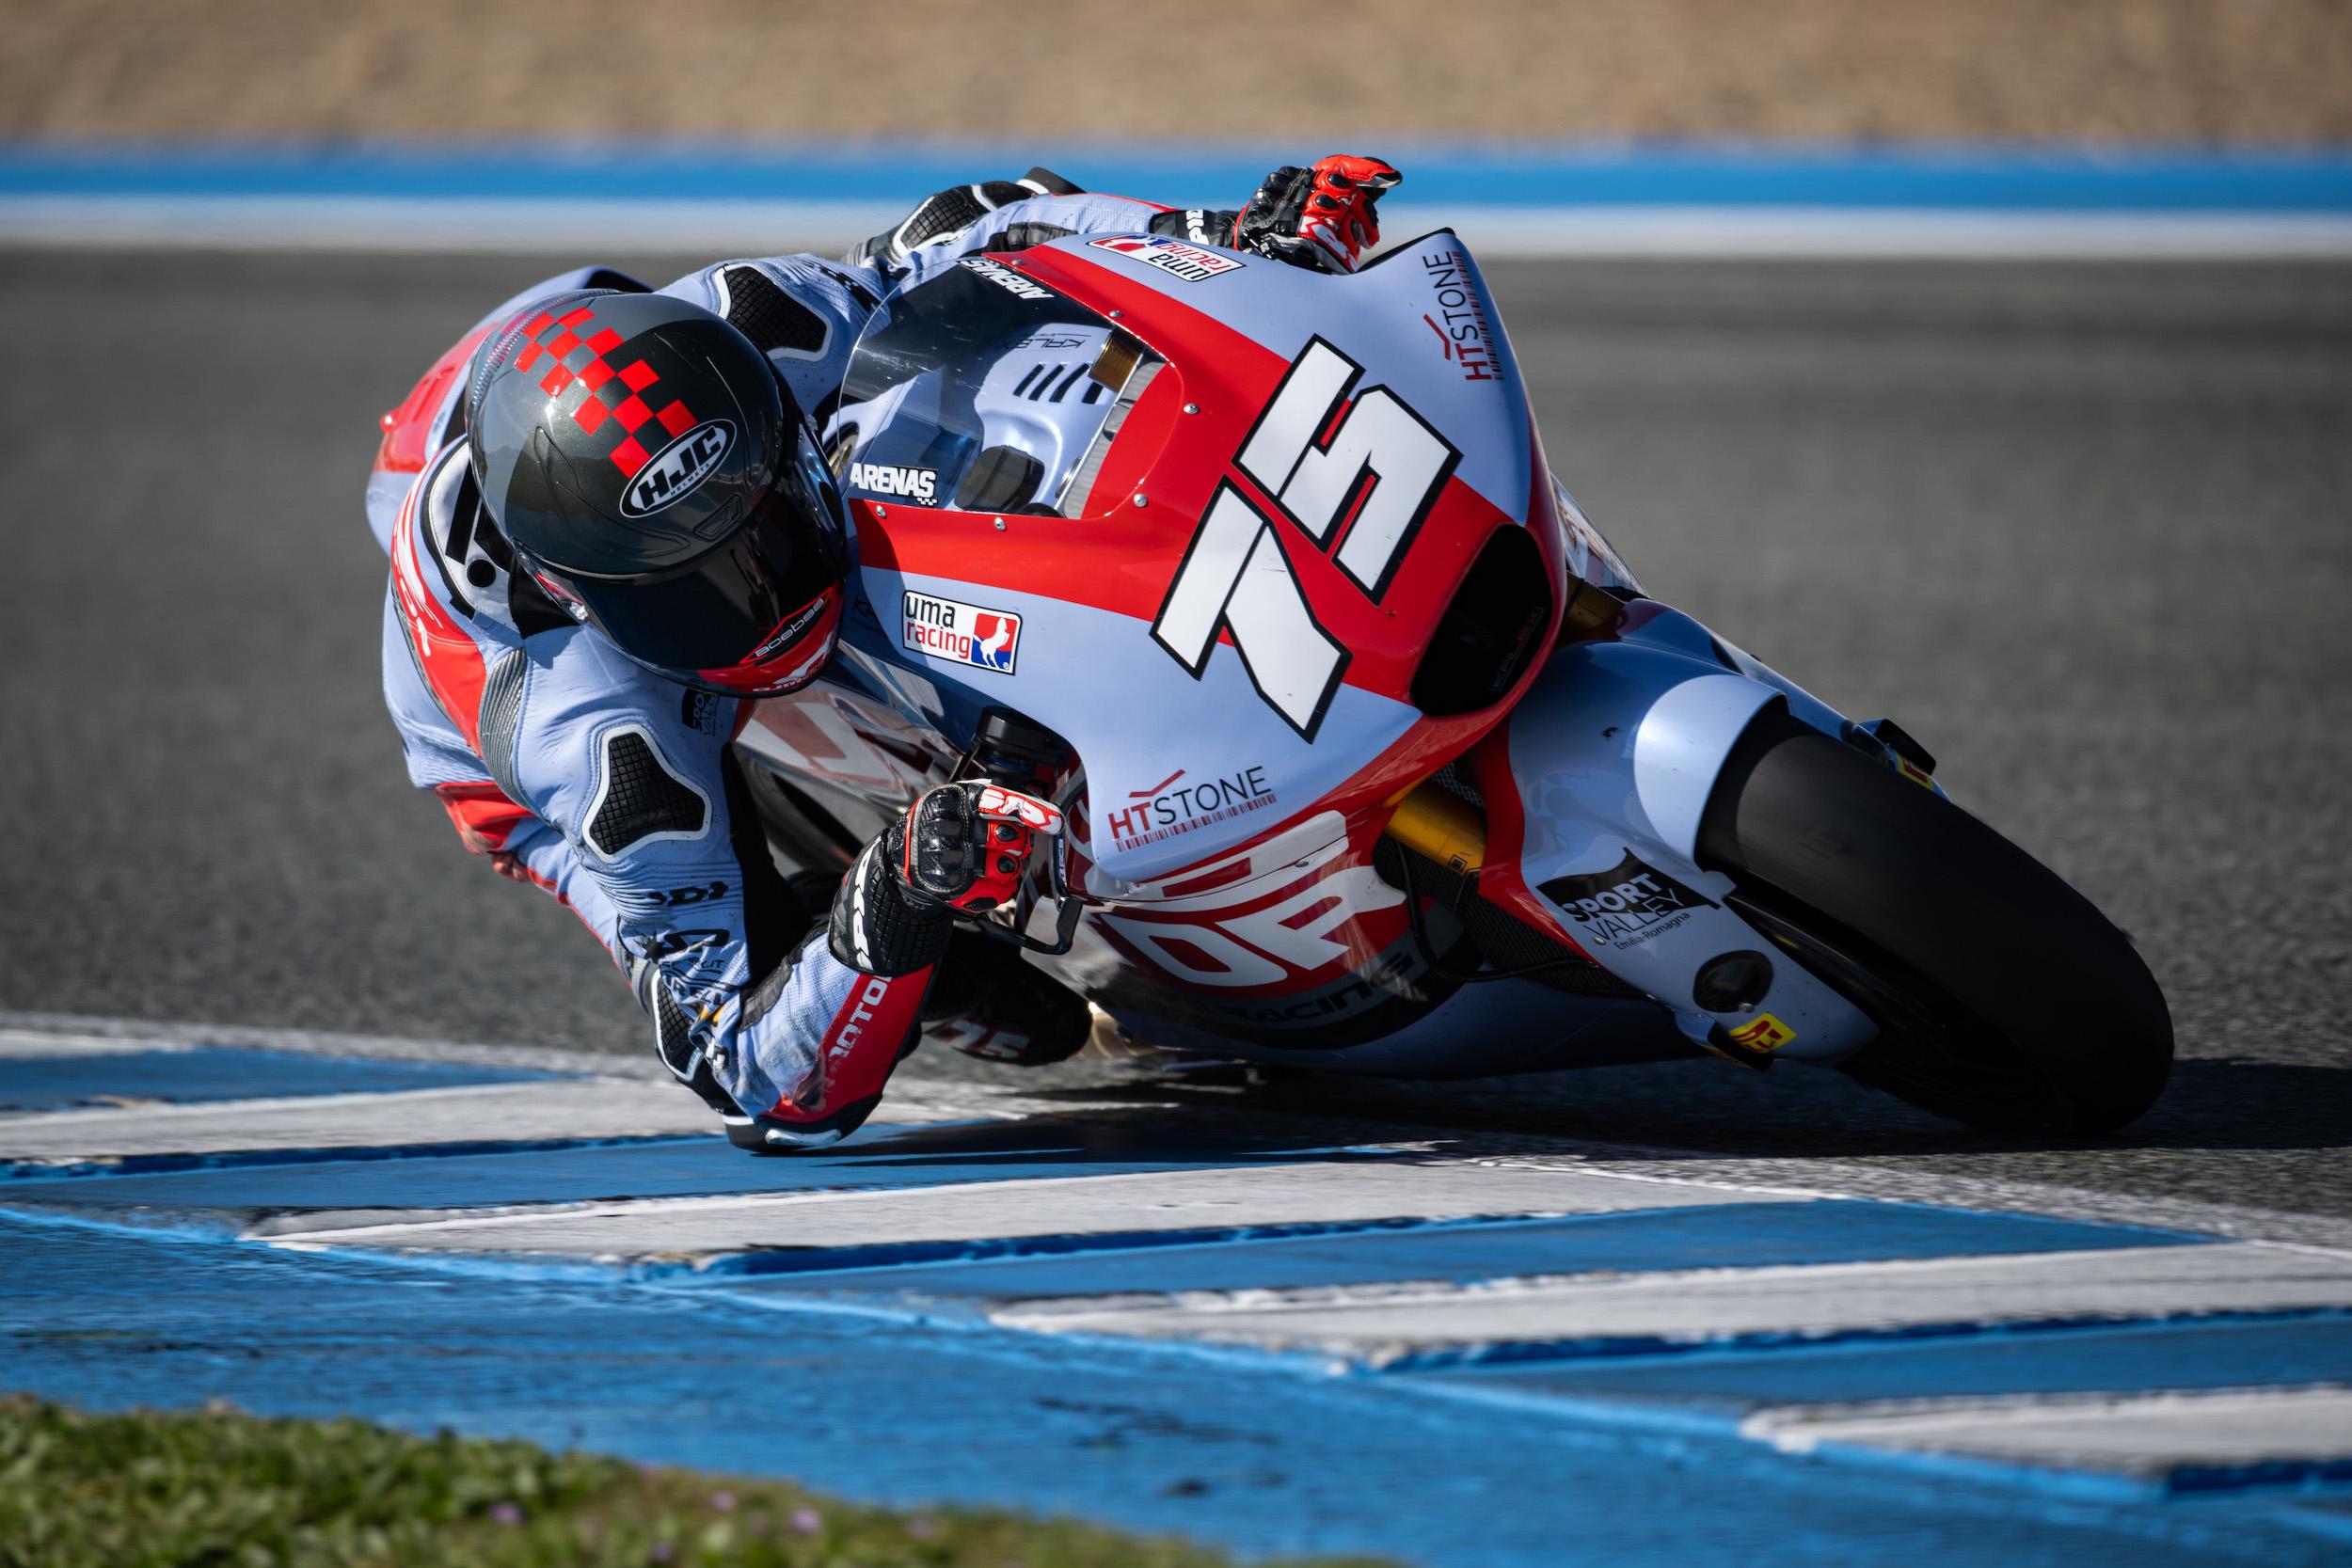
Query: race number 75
[[1368, 482]]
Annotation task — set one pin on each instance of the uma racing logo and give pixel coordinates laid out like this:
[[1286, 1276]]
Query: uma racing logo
[[966, 633], [1189, 263]]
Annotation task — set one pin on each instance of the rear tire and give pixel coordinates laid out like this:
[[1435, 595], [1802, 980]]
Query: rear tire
[[2004, 999]]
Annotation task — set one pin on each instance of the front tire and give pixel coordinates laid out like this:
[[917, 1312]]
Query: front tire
[[2004, 1000]]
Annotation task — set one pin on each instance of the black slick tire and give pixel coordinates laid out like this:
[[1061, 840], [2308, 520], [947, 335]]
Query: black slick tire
[[2005, 999]]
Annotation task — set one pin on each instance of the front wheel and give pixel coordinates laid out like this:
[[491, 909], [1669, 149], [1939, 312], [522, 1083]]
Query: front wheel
[[2003, 998]]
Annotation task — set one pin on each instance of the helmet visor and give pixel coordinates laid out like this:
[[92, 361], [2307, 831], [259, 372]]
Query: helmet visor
[[747, 615]]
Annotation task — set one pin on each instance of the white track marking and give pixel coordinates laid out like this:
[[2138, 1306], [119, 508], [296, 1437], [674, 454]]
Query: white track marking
[[1700, 1306], [2136, 1433], [937, 1100], [1235, 1197], [33, 1035], [1836, 1179], [1841, 231], [363, 223], [138, 1033], [32, 1044], [733, 228], [494, 1113], [2141, 1437]]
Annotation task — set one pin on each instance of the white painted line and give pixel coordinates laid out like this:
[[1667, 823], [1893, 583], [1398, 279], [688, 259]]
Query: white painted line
[[1842, 232], [1889, 1183], [17, 1045], [138, 1033], [1238, 1198], [1377, 1325], [560, 1108], [361, 223], [958, 1100], [912, 1098], [2142, 1435], [596, 228]]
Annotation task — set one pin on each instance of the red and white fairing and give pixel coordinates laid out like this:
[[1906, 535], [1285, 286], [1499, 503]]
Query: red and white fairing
[[1224, 621]]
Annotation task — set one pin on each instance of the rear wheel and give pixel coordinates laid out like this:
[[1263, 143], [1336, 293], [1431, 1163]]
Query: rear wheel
[[2003, 998]]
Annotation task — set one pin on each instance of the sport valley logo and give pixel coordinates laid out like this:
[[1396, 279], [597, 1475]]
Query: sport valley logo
[[1625, 906], [966, 633]]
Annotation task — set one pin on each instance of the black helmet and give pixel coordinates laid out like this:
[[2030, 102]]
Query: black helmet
[[657, 477]]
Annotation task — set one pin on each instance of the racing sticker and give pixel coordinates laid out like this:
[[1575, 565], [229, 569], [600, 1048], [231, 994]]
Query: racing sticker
[[677, 470], [1625, 906], [1007, 280], [1191, 263], [891, 479], [1312, 451], [1179, 803], [1761, 1033], [1466, 338], [966, 633]]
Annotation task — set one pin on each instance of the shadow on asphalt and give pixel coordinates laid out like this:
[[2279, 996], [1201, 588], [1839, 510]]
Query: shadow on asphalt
[[2215, 1105], [1170, 1143]]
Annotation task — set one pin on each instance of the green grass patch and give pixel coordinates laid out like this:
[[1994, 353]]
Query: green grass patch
[[223, 1489]]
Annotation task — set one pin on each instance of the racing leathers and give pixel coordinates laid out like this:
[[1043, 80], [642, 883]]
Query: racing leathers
[[612, 787]]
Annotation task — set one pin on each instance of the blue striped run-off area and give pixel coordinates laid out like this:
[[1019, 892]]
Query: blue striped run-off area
[[2149, 180], [1438, 1353]]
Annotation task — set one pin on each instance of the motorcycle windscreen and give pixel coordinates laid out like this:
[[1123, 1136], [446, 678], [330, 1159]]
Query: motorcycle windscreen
[[983, 391], [1590, 555]]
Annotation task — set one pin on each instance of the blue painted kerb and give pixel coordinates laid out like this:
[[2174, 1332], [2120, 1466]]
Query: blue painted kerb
[[1967, 179]]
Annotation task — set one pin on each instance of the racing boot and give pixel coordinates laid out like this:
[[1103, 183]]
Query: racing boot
[[990, 1002]]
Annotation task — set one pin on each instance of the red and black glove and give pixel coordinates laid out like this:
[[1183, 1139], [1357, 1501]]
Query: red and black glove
[[960, 847], [1322, 217]]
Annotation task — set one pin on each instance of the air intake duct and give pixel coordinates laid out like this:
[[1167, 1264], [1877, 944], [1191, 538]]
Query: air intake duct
[[1491, 632]]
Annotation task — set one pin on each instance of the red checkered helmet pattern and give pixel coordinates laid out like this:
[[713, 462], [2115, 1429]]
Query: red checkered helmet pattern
[[657, 477]]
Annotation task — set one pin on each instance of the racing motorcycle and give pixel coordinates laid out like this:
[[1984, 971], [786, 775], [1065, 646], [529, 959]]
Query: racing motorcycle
[[1371, 753]]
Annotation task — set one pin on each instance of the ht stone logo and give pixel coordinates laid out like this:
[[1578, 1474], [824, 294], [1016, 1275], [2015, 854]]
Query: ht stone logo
[[1466, 337], [1173, 806]]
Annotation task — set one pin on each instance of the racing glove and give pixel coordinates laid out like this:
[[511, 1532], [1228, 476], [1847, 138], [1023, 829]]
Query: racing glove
[[960, 847], [1323, 218]]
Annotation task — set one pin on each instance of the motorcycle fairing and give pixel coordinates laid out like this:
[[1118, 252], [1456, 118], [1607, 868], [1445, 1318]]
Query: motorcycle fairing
[[1420, 295], [1602, 774], [1097, 593], [1266, 932]]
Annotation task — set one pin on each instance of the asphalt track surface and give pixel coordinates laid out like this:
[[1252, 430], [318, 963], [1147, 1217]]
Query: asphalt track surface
[[2086, 529]]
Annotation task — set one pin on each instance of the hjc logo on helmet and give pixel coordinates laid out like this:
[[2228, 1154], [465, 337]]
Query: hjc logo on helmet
[[672, 473]]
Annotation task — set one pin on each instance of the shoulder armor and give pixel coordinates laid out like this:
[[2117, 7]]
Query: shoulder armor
[[775, 321], [640, 797]]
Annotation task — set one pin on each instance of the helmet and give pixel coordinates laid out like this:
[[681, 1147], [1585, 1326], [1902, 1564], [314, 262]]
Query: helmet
[[657, 477]]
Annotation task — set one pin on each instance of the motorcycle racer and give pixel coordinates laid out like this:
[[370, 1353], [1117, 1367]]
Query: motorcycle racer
[[611, 532]]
